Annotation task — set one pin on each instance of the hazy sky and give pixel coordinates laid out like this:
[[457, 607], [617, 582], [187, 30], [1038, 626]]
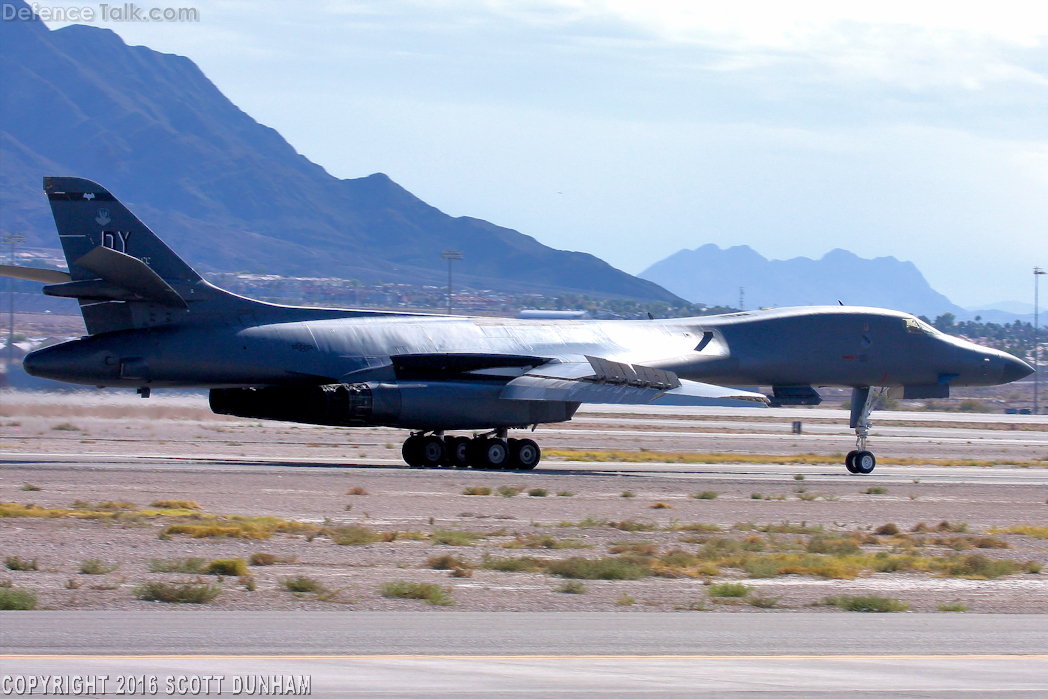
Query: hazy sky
[[631, 130]]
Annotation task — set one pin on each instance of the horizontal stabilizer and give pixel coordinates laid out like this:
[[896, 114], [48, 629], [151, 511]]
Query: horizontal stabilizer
[[130, 273], [34, 274]]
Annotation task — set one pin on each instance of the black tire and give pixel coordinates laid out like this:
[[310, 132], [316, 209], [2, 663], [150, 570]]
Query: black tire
[[865, 462], [431, 452], [849, 461], [526, 454], [412, 451], [489, 454], [456, 451]]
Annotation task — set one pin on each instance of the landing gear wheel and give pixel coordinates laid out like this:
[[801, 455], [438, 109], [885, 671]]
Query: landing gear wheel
[[526, 453], [431, 452], [849, 461], [412, 451], [488, 454], [455, 451], [864, 462]]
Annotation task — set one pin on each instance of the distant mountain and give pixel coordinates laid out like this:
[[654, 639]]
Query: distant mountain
[[713, 276], [226, 192]]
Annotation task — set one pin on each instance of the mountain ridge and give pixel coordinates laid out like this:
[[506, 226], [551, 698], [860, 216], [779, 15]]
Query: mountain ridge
[[714, 275], [228, 193]]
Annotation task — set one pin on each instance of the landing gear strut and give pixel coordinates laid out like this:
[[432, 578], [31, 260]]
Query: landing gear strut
[[491, 451], [860, 459]]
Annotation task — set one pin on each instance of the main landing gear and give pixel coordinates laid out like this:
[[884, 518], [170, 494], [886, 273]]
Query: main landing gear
[[491, 451], [860, 459]]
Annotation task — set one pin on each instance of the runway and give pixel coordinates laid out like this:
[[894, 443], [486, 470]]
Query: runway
[[542, 654], [815, 474]]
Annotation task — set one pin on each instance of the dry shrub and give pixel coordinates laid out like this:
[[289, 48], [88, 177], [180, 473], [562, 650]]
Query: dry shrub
[[237, 527], [889, 529], [660, 506], [447, 562], [455, 537], [1037, 532], [635, 548], [262, 559], [633, 525], [430, 593], [356, 490], [233, 567], [476, 490], [176, 504], [544, 541]]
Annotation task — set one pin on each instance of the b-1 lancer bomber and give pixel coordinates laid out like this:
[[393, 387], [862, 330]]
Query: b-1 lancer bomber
[[153, 323]]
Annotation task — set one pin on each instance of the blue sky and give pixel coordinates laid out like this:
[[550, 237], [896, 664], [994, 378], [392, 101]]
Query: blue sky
[[632, 130]]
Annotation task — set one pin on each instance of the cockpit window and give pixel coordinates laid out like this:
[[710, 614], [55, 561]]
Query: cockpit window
[[913, 325]]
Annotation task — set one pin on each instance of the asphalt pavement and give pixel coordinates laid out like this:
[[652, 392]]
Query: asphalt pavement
[[445, 654]]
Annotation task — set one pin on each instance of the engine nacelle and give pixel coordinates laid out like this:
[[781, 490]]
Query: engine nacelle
[[430, 405]]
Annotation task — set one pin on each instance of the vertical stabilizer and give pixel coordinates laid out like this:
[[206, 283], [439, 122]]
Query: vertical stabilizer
[[116, 291]]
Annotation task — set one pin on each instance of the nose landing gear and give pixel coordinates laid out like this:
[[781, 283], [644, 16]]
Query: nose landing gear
[[489, 452], [861, 460]]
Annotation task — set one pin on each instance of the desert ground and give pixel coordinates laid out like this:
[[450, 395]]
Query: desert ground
[[107, 496]]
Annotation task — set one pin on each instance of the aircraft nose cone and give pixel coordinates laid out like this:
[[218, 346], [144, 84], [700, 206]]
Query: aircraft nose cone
[[1014, 369]]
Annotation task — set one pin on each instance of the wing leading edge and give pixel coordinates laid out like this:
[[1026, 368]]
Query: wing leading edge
[[599, 380]]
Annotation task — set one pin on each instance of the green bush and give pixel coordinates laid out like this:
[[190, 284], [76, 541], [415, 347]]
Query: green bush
[[177, 593], [476, 490], [94, 566], [572, 587], [518, 564], [705, 495], [538, 492], [608, 568], [508, 492], [866, 603], [302, 583], [17, 599], [427, 592], [979, 566], [454, 537], [19, 563], [729, 589], [192, 566], [233, 567], [353, 535]]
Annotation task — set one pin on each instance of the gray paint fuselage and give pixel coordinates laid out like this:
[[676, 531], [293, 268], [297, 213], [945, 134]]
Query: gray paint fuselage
[[821, 346]]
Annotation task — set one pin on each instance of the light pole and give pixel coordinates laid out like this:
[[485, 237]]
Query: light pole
[[13, 239], [450, 256], [1037, 272]]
